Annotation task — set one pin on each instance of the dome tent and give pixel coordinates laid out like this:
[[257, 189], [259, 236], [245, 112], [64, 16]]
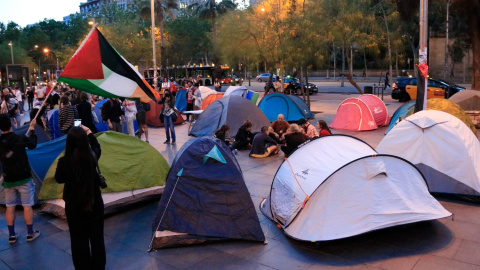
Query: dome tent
[[367, 112], [355, 192], [232, 111], [221, 207], [293, 108], [236, 91], [468, 100], [442, 147], [126, 183]]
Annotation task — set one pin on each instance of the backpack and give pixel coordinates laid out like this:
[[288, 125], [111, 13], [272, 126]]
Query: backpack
[[105, 108]]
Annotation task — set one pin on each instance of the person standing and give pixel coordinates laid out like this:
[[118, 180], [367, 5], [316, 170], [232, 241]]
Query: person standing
[[387, 78], [114, 114], [84, 109], [30, 96], [17, 176], [66, 115], [165, 85], [190, 91], [217, 85], [141, 120], [130, 111], [83, 200], [167, 114], [19, 98]]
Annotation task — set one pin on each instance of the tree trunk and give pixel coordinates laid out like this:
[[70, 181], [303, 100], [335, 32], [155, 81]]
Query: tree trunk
[[475, 38], [365, 62], [388, 43], [306, 82], [162, 39]]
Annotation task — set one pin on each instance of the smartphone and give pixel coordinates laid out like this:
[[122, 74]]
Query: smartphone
[[77, 122]]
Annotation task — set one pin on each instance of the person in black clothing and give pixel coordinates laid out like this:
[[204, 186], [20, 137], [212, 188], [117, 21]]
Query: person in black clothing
[[166, 116], [54, 97], [84, 109], [244, 137], [114, 114], [83, 200], [30, 96], [293, 138], [17, 176], [263, 145], [222, 133], [387, 78]]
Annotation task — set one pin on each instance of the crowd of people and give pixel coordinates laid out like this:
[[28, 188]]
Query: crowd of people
[[78, 167], [280, 135]]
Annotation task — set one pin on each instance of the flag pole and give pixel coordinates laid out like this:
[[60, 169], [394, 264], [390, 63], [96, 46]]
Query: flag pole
[[43, 104], [422, 84]]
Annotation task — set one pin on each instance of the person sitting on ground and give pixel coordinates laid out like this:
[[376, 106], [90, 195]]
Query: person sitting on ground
[[293, 138], [222, 133], [272, 134], [244, 137], [280, 126], [323, 129], [262, 145], [308, 129], [66, 115]]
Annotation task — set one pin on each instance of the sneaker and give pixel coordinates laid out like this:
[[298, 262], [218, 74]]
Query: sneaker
[[147, 142], [235, 151], [173, 142], [13, 239], [165, 142], [31, 237]]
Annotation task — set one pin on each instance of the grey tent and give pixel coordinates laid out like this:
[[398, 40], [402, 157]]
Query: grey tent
[[232, 111]]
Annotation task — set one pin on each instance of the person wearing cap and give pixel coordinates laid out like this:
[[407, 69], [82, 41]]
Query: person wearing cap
[[308, 129]]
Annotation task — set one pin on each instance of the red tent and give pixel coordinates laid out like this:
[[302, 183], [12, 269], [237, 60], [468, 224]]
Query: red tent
[[366, 112]]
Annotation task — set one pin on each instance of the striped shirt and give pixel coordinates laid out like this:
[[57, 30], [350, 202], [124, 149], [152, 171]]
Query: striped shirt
[[66, 115]]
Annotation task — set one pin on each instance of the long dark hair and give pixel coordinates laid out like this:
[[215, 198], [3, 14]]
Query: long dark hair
[[81, 161]]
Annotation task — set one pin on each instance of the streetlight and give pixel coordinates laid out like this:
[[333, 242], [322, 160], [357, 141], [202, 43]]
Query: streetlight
[[11, 50]]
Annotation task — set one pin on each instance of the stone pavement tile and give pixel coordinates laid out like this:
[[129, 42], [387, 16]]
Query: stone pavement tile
[[60, 240], [369, 252], [463, 211], [258, 190], [462, 230], [271, 231], [429, 262], [399, 263], [287, 256], [245, 249], [139, 239], [469, 252], [4, 241], [3, 266], [269, 169], [183, 257], [121, 256], [341, 267], [36, 255], [227, 261]]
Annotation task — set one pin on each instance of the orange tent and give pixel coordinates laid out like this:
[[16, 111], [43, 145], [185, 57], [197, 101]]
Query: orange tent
[[211, 98]]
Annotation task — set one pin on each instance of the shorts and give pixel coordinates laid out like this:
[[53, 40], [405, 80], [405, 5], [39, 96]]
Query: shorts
[[25, 192], [141, 118]]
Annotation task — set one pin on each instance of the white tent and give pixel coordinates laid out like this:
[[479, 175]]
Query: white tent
[[442, 147], [205, 92], [237, 91], [336, 186], [301, 174]]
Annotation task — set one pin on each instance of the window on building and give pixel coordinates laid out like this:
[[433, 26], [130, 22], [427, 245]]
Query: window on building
[[183, 4]]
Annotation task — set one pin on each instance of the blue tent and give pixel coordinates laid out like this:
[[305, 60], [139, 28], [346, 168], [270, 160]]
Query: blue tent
[[400, 112], [205, 198], [293, 108], [232, 111], [42, 135], [181, 100]]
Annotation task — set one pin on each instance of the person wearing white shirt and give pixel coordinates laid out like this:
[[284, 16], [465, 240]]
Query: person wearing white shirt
[[130, 112]]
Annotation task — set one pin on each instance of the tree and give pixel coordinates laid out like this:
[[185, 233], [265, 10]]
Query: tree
[[210, 10]]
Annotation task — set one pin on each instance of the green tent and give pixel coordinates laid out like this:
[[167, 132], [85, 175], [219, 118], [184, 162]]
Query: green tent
[[128, 164]]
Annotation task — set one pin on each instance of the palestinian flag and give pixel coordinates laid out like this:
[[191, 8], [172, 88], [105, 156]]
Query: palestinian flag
[[97, 68]]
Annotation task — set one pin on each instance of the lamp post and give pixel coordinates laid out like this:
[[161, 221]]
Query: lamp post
[[46, 50], [11, 50]]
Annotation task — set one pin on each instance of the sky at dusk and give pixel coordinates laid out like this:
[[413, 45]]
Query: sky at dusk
[[25, 12]]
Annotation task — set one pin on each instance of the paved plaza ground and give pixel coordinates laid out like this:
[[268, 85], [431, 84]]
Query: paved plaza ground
[[450, 243]]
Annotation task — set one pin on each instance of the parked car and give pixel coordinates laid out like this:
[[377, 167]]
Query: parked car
[[228, 79], [405, 89], [311, 88], [264, 77]]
